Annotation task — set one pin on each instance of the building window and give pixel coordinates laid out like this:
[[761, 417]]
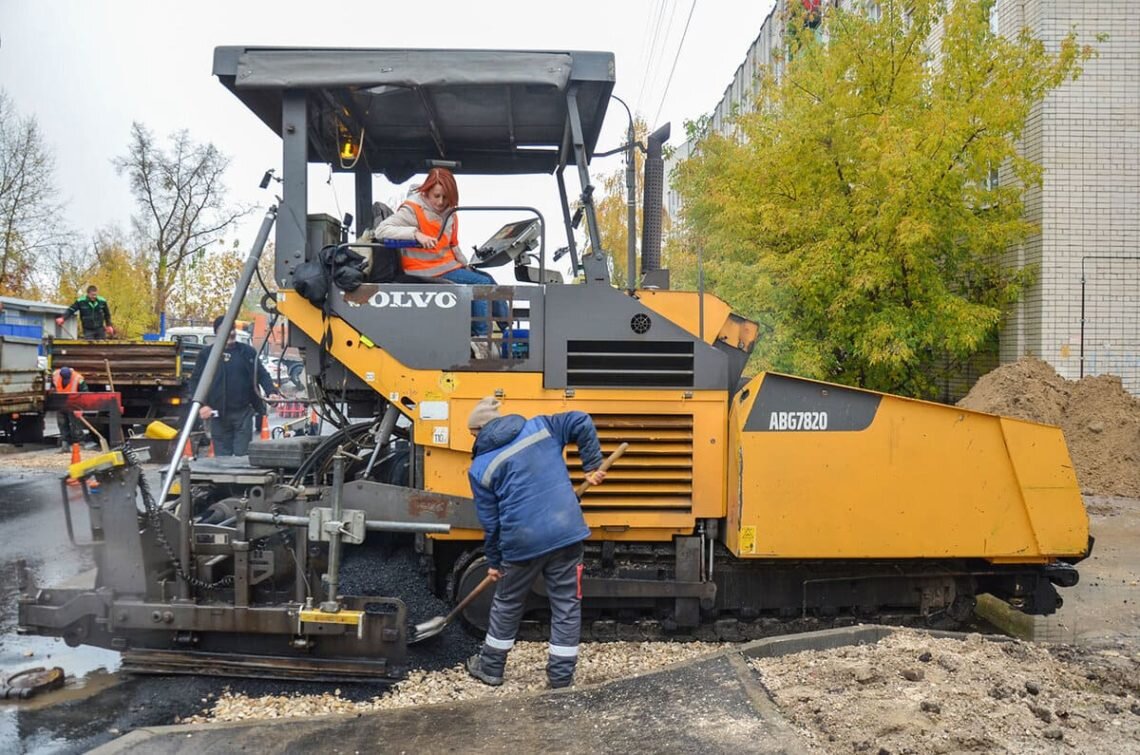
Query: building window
[[993, 178], [994, 19]]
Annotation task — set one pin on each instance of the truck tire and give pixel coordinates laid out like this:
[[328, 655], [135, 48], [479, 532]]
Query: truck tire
[[28, 428]]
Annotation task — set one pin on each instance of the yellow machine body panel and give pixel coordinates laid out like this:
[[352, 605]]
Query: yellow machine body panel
[[825, 471], [671, 475], [703, 315]]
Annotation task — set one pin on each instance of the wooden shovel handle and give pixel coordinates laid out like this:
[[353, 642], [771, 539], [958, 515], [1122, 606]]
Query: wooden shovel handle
[[469, 597], [604, 468], [102, 441]]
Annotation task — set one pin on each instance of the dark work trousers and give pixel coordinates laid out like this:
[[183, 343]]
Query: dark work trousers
[[70, 428], [95, 334], [231, 432], [560, 570]]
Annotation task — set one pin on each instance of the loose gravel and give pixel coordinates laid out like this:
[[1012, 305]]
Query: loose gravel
[[911, 693], [525, 672], [437, 672]]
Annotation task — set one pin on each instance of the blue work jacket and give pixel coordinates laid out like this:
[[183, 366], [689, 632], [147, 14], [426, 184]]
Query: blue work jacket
[[523, 495]]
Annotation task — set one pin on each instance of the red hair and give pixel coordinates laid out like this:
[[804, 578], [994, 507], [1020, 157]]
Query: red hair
[[443, 178]]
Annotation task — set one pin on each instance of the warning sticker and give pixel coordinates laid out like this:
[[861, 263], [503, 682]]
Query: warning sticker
[[748, 539]]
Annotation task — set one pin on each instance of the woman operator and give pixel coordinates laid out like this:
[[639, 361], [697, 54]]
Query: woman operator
[[420, 218]]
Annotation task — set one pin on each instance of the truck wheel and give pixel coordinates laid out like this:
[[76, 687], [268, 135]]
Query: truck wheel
[[28, 428]]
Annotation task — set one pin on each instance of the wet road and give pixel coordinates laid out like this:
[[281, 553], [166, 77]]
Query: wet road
[[98, 703], [32, 522]]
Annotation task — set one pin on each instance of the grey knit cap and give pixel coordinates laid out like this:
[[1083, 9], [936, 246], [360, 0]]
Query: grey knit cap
[[485, 411]]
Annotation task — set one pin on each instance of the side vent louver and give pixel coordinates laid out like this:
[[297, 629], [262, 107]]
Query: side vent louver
[[650, 364], [654, 474]]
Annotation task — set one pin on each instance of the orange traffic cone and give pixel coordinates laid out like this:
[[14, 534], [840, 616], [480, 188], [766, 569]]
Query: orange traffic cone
[[187, 451], [76, 457], [265, 427], [210, 453]]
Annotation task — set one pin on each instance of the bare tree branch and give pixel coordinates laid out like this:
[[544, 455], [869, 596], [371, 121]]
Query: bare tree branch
[[29, 210], [181, 198]]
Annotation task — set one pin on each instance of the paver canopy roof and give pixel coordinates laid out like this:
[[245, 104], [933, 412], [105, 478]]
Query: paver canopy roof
[[491, 111]]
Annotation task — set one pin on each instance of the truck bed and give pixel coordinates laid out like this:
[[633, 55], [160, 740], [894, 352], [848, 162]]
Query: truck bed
[[131, 363]]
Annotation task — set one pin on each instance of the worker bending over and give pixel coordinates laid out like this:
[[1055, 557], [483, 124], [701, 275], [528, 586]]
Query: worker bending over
[[66, 380], [533, 524]]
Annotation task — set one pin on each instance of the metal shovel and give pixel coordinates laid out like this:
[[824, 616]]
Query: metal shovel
[[103, 447], [432, 627]]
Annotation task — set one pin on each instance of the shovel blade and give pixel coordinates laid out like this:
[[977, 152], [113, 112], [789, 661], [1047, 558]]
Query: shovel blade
[[429, 628]]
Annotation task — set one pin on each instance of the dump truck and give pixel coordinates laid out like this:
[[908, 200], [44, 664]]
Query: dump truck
[[23, 325], [743, 505], [21, 390], [147, 374]]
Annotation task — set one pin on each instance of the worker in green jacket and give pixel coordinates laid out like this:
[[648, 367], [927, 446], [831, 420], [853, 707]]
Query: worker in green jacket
[[94, 315]]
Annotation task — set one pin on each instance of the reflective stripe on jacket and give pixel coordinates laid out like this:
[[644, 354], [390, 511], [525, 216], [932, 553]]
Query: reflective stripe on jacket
[[523, 495], [57, 382], [434, 262]]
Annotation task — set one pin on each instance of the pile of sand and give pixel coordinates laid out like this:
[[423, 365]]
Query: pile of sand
[[1101, 420]]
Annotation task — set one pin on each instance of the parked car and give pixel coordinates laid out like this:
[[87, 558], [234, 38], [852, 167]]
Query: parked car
[[286, 368]]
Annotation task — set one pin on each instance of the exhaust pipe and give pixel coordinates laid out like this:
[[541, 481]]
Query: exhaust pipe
[[651, 206]]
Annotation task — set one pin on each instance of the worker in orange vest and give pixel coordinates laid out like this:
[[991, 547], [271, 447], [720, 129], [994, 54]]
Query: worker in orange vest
[[67, 380], [420, 218]]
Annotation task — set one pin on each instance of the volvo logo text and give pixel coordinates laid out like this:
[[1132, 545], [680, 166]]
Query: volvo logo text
[[413, 299]]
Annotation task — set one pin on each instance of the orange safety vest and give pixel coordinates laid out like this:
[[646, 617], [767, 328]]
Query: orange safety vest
[[72, 387], [431, 263]]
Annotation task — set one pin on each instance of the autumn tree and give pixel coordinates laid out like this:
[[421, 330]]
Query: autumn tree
[[853, 212], [206, 282], [181, 200], [30, 214]]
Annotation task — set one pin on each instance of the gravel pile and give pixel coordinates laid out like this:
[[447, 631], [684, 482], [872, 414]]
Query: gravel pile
[[913, 693], [526, 671]]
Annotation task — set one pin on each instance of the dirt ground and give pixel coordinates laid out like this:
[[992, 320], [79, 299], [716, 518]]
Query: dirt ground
[[911, 693]]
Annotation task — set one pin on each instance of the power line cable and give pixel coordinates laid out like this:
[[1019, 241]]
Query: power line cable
[[649, 58], [658, 69], [652, 55], [643, 57], [676, 57]]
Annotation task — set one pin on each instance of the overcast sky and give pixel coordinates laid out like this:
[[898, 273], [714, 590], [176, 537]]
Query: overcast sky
[[88, 68]]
